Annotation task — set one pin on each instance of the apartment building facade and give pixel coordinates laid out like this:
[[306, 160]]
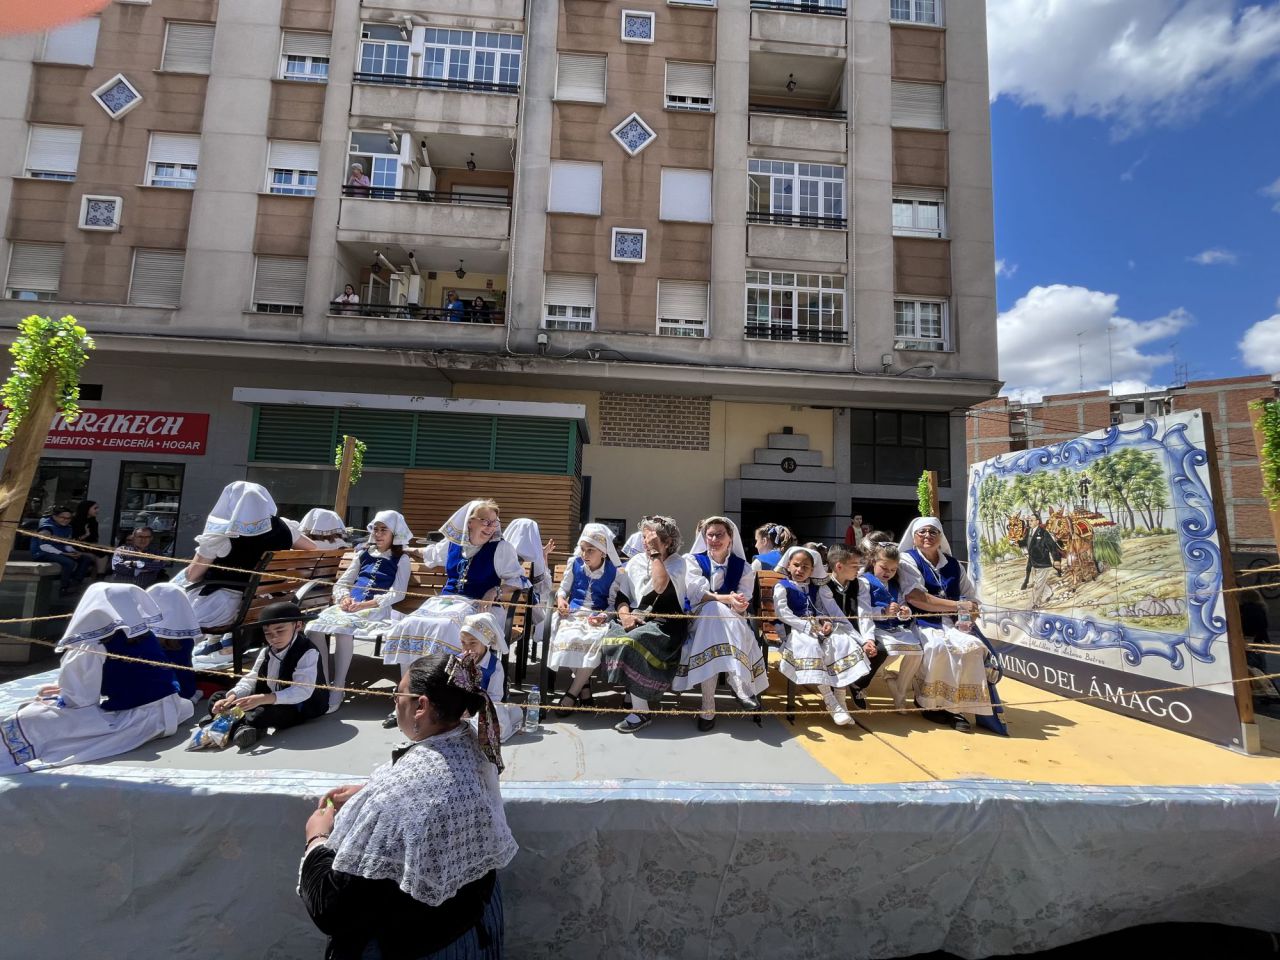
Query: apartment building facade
[[605, 259]]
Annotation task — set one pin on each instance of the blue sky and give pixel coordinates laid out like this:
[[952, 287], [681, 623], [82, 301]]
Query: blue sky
[[1137, 189]]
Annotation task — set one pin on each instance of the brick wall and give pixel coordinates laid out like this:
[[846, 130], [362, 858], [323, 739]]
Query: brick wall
[[987, 430], [653, 420]]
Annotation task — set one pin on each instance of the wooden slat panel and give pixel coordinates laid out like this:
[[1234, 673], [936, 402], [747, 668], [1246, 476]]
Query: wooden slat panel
[[766, 580]]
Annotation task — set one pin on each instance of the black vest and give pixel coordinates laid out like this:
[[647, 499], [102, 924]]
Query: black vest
[[288, 664], [245, 554]]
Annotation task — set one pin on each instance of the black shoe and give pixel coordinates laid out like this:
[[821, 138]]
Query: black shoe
[[939, 716], [859, 700], [559, 711], [245, 737], [705, 724], [390, 721], [626, 726], [958, 722], [751, 703]]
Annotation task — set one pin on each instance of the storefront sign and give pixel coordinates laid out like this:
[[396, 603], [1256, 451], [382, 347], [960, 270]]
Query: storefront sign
[[129, 431]]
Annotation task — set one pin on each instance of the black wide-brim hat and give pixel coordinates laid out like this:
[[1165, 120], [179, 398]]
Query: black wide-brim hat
[[282, 611]]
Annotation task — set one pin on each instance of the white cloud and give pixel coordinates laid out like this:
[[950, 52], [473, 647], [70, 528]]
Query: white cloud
[[1273, 191], [1214, 255], [1128, 175], [1133, 62], [1260, 345], [1039, 344], [1005, 269]]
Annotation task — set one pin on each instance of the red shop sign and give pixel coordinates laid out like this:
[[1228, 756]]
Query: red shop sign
[[129, 431]]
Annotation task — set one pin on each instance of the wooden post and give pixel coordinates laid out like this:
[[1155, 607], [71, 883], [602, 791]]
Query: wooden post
[[932, 476], [1258, 441], [344, 478], [24, 457]]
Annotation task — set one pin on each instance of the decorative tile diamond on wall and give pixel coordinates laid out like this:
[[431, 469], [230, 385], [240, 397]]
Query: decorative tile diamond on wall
[[633, 134]]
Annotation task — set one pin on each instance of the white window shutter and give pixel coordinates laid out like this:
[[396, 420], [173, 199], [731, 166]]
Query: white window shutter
[[35, 266], [72, 43], [918, 105], [53, 149], [581, 77], [157, 278], [686, 195], [293, 155], [306, 44], [683, 301], [174, 148], [925, 194], [575, 187], [188, 47], [280, 280], [571, 289], [690, 79]]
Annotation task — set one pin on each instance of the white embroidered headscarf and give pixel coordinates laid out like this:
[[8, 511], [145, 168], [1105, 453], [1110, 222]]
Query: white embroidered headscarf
[[177, 619], [819, 574], [601, 537], [455, 528], [393, 521], [106, 608], [484, 627], [523, 534], [700, 542], [323, 526], [634, 545], [244, 510], [908, 541], [432, 821]]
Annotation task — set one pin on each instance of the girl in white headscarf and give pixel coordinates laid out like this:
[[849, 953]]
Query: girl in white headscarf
[[177, 631], [822, 648], [484, 644], [587, 596], [480, 566], [99, 707], [953, 676], [324, 528], [242, 527], [721, 639], [365, 596], [633, 547], [523, 534]]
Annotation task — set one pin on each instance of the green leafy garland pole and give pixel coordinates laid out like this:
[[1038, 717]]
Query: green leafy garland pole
[[45, 380], [924, 502], [349, 459], [357, 458], [1265, 415]]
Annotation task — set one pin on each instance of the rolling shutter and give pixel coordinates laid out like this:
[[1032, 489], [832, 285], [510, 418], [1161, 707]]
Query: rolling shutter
[[571, 290], [36, 267], [388, 435], [306, 44], [531, 445], [454, 441], [690, 79], [174, 148], [682, 300], [188, 47], [918, 105], [293, 434], [280, 280], [157, 278], [72, 43], [53, 150], [581, 77], [575, 187], [293, 155]]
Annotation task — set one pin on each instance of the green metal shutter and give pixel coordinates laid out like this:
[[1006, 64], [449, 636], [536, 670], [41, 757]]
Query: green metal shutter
[[530, 445], [453, 441], [388, 435], [293, 435]]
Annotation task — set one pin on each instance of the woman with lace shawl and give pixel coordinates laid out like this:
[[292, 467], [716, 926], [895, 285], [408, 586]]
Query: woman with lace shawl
[[405, 866]]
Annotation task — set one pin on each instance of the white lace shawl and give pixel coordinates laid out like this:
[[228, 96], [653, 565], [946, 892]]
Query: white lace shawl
[[433, 822]]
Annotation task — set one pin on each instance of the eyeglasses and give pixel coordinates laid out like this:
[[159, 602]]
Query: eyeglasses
[[487, 523], [928, 532]]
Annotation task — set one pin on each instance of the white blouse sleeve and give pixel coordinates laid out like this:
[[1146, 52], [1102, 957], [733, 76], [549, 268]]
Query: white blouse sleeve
[[399, 586], [245, 685], [304, 679], [435, 554], [213, 546], [80, 675], [747, 585], [619, 577], [866, 612], [342, 589], [827, 604], [566, 581], [496, 682], [506, 563], [967, 588], [909, 577], [783, 610], [696, 585]]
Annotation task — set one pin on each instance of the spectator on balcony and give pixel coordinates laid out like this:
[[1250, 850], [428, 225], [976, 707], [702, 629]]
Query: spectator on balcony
[[454, 309], [357, 182], [479, 311], [347, 300]]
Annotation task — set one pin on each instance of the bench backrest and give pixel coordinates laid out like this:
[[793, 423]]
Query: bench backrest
[[282, 574], [767, 628]]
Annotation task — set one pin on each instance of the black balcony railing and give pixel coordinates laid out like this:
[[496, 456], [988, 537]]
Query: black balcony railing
[[424, 196], [411, 311], [437, 83], [797, 220], [799, 112], [785, 332], [786, 6]]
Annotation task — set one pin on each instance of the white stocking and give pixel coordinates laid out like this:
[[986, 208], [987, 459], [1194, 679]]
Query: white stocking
[[709, 698], [638, 707], [343, 644]]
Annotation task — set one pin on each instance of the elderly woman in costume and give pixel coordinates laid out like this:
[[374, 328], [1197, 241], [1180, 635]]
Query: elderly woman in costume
[[483, 642], [365, 596], [587, 596], [642, 651], [242, 527], [822, 648], [406, 865], [177, 631], [480, 566], [100, 706], [721, 639], [953, 676]]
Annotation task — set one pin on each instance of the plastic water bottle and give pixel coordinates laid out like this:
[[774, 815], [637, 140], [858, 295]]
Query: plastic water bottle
[[964, 618], [531, 710]]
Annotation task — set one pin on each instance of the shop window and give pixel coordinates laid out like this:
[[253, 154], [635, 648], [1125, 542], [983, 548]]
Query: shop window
[[895, 447], [58, 481], [149, 495]]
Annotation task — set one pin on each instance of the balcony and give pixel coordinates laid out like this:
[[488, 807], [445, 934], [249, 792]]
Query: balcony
[[796, 129], [462, 12], [789, 333], [413, 312], [470, 221], [807, 29], [792, 240], [436, 106]]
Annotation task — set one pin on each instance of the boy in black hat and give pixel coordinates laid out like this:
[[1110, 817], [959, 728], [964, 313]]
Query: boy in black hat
[[261, 694]]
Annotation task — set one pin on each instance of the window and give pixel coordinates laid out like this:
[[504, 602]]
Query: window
[[34, 271], [919, 212], [188, 47], [916, 11], [53, 153], [801, 194], [569, 302], [633, 134], [686, 195], [384, 50], [637, 26], [918, 105], [690, 86], [72, 43], [172, 160], [304, 56], [100, 213], [575, 188], [117, 96], [379, 162], [279, 284], [627, 245], [292, 167], [580, 77], [806, 307], [895, 447], [920, 325], [472, 57], [682, 308], [157, 278]]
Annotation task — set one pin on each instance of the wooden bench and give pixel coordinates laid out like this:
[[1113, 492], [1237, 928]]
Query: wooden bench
[[769, 630]]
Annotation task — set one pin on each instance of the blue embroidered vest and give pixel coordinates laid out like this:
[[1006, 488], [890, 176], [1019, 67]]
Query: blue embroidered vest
[[178, 652], [803, 603], [769, 560], [733, 569], [883, 594], [375, 578], [126, 685], [472, 578], [584, 586], [488, 670], [948, 587]]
